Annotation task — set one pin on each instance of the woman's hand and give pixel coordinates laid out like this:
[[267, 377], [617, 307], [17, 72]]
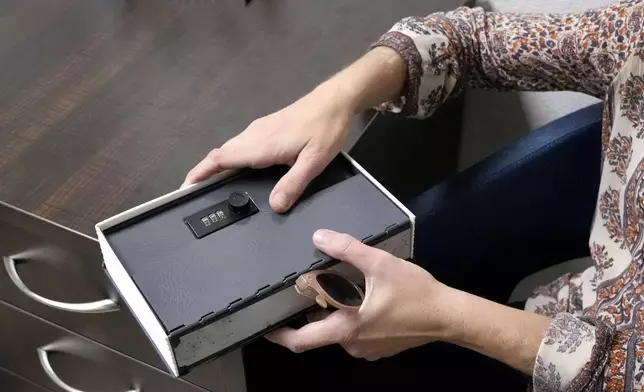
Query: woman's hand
[[308, 134], [404, 306]]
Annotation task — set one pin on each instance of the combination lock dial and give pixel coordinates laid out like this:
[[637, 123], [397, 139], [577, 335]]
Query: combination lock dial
[[239, 202]]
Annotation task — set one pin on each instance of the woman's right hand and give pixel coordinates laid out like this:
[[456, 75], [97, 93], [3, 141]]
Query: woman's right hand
[[309, 133], [306, 135]]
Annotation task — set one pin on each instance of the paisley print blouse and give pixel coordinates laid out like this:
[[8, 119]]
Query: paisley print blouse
[[596, 337]]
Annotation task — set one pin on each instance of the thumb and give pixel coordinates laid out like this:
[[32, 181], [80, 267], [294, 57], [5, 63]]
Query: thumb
[[348, 249], [292, 184]]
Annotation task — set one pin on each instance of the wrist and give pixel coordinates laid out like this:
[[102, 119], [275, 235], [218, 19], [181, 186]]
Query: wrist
[[497, 331], [377, 77], [434, 315], [340, 97], [473, 317], [461, 306], [452, 315]]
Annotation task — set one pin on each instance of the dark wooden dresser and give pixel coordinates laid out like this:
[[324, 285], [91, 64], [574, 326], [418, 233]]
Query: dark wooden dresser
[[105, 104]]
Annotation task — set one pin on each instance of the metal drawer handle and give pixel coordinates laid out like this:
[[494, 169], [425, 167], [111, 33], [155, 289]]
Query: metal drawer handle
[[43, 356], [102, 306]]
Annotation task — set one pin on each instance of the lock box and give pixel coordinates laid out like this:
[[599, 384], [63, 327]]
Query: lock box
[[208, 268]]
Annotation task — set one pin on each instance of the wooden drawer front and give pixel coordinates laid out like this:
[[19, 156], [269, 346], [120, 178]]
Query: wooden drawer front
[[49, 355], [11, 382], [65, 268]]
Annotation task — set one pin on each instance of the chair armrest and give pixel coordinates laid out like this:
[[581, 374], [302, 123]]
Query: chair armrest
[[532, 202]]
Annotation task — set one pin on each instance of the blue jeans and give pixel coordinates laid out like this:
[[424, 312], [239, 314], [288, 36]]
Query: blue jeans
[[525, 208]]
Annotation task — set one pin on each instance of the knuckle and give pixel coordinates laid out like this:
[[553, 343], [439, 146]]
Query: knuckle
[[354, 351], [313, 153], [348, 335], [322, 144], [317, 159], [262, 125], [191, 175], [214, 156], [380, 262], [377, 264], [256, 123], [297, 346], [291, 182], [297, 349], [345, 244]]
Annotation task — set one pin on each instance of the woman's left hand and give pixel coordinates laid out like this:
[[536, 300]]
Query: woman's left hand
[[404, 306]]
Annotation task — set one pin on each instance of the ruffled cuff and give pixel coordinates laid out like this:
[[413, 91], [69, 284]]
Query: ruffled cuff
[[572, 355]]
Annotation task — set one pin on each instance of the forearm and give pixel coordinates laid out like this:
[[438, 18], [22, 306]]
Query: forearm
[[497, 331], [422, 62], [507, 51], [376, 77]]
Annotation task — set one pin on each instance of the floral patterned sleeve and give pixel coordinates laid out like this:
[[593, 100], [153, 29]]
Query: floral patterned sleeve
[[581, 349], [537, 52]]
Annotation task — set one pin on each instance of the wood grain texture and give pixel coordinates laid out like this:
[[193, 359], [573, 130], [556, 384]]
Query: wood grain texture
[[105, 104]]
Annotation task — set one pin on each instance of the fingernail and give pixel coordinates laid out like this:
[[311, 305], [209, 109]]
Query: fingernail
[[321, 237], [280, 199]]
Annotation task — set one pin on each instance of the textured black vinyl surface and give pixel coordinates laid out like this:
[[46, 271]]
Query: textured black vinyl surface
[[184, 278]]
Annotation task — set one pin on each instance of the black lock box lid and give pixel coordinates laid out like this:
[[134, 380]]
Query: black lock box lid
[[185, 278]]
